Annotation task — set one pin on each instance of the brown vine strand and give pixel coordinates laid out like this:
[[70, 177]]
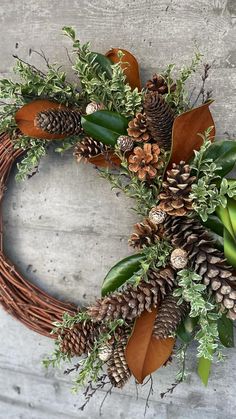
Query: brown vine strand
[[23, 300]]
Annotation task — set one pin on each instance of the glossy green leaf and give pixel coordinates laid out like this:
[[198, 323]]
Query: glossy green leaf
[[204, 369], [104, 63], [121, 272], [214, 224], [224, 216], [228, 217], [105, 126], [223, 154], [226, 331], [186, 328]]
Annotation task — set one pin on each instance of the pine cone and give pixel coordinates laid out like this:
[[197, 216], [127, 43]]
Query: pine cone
[[125, 143], [130, 303], [158, 84], [146, 233], [206, 260], [164, 277], [169, 317], [80, 339], [145, 161], [160, 118], [59, 121], [118, 370], [87, 148], [137, 128], [174, 199]]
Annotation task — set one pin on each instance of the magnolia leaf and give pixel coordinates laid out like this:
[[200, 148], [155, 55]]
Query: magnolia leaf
[[223, 153], [103, 62], [26, 115], [105, 126], [204, 369], [129, 64], [185, 132], [214, 224], [226, 331], [107, 159], [121, 272], [144, 353]]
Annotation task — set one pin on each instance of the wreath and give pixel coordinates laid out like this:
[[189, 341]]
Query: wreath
[[156, 144]]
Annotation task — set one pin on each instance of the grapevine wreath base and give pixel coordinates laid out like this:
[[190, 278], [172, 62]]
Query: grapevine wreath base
[[157, 145]]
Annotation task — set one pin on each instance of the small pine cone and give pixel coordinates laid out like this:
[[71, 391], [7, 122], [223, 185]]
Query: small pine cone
[[206, 260], [79, 339], [59, 121], [145, 234], [137, 128], [125, 143], [164, 277], [130, 303], [118, 370], [156, 215], [105, 353], [160, 119], [145, 161], [158, 84], [169, 317], [87, 148], [174, 198], [179, 258]]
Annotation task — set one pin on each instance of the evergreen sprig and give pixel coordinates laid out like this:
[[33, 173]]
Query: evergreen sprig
[[109, 89], [191, 290]]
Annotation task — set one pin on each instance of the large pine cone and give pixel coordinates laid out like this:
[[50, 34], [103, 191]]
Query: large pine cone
[[87, 148], [130, 303], [169, 317], [145, 161], [80, 339], [137, 128], [118, 370], [146, 233], [206, 260], [59, 121], [160, 118], [174, 198]]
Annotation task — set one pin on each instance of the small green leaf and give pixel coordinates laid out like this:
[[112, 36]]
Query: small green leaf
[[105, 126], [226, 331], [204, 368], [68, 31], [223, 154], [121, 272]]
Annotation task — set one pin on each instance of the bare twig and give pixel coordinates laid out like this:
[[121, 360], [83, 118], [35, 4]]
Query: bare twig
[[150, 393], [108, 393], [205, 96], [91, 390]]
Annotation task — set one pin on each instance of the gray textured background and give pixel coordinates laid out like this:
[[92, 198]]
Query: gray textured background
[[64, 228]]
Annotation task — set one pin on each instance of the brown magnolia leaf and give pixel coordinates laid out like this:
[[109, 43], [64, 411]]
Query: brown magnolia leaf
[[144, 353], [130, 66], [185, 132], [106, 161], [25, 119]]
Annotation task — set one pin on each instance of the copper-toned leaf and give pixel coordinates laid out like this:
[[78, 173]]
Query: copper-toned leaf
[[144, 353], [25, 119], [108, 160], [185, 132], [130, 66]]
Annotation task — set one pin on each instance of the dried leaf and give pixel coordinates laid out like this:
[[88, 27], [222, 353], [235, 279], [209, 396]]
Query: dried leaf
[[144, 353], [185, 132], [130, 66], [108, 160], [25, 119]]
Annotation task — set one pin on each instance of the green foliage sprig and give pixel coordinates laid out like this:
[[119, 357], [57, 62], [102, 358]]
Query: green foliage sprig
[[179, 98], [194, 292], [156, 256], [111, 90], [210, 191]]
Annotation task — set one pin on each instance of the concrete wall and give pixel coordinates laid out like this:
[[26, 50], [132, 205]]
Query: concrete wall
[[64, 228]]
